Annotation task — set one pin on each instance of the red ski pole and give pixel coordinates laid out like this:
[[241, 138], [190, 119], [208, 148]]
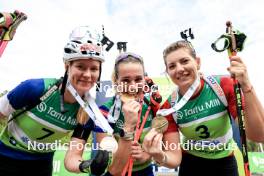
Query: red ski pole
[[232, 51]]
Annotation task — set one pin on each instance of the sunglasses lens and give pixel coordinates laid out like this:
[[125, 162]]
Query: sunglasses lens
[[84, 32], [126, 55]]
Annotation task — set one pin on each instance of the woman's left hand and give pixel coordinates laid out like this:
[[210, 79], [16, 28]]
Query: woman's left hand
[[138, 153], [239, 70]]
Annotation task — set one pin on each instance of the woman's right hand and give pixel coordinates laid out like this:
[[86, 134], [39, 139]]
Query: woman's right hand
[[130, 110], [152, 143]]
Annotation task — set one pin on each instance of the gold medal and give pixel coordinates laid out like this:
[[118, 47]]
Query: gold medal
[[160, 123], [109, 143]]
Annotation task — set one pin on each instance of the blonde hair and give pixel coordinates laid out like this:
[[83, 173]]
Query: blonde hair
[[82, 116], [178, 45]]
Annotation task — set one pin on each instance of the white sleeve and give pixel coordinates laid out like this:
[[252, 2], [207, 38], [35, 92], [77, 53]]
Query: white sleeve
[[5, 108]]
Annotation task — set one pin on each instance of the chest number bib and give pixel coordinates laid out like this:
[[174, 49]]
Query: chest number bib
[[49, 133], [203, 131]]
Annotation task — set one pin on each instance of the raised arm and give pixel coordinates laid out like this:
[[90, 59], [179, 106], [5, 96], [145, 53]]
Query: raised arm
[[120, 158], [254, 112]]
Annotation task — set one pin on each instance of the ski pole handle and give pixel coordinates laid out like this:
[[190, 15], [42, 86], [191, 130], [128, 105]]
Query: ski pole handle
[[229, 29]]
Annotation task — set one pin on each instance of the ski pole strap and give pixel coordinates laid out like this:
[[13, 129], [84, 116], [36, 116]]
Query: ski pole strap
[[240, 40], [9, 23], [6, 19]]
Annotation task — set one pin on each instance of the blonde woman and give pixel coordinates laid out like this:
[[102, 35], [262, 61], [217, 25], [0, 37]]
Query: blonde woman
[[201, 109], [46, 121]]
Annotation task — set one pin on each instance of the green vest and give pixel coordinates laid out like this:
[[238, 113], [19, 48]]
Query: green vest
[[41, 128], [205, 126]]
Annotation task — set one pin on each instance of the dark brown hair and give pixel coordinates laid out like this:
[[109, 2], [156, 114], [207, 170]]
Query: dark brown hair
[[126, 58]]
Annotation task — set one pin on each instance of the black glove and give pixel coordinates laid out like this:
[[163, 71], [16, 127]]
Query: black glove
[[96, 166], [155, 98]]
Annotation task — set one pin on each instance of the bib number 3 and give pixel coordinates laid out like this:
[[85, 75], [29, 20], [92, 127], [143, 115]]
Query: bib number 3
[[203, 131]]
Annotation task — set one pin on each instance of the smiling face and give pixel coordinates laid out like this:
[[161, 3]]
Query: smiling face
[[130, 77], [83, 74], [182, 68]]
